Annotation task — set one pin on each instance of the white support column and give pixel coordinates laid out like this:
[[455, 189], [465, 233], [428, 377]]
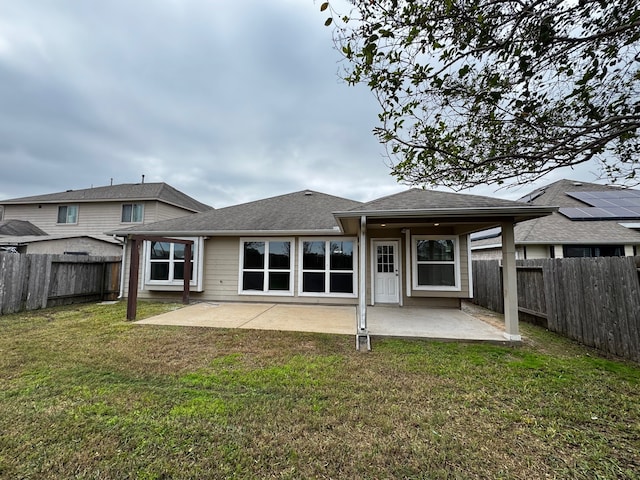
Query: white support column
[[362, 274], [510, 283]]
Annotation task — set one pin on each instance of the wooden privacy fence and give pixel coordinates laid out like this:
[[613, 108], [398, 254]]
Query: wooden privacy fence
[[32, 281], [595, 301]]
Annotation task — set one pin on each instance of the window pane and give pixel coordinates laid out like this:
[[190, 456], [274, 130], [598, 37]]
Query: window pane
[[341, 283], [126, 213], [62, 214], [279, 281], [254, 255], [312, 282], [435, 250], [72, 214], [341, 256], [436, 275], [137, 212], [178, 251], [178, 271], [160, 271], [313, 256], [253, 281], [279, 253], [160, 250]]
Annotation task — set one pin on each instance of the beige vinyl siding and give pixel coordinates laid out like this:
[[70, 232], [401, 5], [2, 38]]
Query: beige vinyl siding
[[161, 211], [221, 275], [93, 218], [396, 234]]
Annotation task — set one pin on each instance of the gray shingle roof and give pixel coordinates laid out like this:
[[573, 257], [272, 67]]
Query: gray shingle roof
[[558, 229], [123, 192], [299, 211], [19, 228], [418, 199]]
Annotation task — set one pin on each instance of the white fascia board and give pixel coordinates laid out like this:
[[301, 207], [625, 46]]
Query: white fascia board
[[453, 212], [232, 233], [485, 247]]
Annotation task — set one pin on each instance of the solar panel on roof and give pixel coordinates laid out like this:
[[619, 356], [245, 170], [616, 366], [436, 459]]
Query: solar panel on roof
[[617, 198], [595, 213]]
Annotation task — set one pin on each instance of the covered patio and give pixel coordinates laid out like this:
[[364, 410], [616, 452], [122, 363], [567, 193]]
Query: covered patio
[[446, 324]]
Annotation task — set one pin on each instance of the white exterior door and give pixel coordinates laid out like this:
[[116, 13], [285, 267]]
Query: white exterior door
[[386, 280]]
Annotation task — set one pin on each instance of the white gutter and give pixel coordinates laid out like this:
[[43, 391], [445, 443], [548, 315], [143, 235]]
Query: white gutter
[[124, 257], [230, 233]]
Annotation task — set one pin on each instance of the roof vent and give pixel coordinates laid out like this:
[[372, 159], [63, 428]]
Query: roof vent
[[308, 193], [577, 184]]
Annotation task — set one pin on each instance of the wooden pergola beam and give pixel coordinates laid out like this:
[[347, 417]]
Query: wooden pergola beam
[[134, 267]]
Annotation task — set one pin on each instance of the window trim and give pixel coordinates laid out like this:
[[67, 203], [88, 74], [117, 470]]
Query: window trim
[[266, 269], [132, 204], [67, 222], [327, 271], [455, 262], [175, 284]]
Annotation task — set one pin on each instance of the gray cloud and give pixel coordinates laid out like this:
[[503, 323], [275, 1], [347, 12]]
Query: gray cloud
[[227, 101]]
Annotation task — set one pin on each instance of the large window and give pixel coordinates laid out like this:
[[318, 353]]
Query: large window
[[166, 263], [436, 263], [265, 266], [132, 213], [328, 267], [68, 214]]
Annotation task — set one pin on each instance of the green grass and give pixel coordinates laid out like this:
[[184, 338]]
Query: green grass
[[84, 394]]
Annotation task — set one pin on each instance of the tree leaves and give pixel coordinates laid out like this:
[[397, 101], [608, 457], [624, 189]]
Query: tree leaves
[[488, 91]]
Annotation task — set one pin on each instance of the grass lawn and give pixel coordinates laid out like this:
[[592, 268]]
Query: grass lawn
[[84, 394]]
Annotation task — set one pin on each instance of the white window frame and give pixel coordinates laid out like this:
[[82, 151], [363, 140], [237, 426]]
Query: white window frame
[[172, 283], [327, 270], [132, 205], [265, 269], [67, 222], [455, 262]]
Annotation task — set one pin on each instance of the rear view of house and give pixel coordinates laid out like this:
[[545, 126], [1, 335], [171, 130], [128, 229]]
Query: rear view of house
[[411, 248]]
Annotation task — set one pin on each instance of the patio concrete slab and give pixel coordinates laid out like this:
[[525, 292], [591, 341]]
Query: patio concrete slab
[[262, 316], [218, 315], [307, 318], [433, 323], [383, 321]]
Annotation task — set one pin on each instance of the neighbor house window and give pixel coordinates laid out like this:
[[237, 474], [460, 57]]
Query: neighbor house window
[[132, 213], [68, 214], [328, 267], [593, 251], [166, 262], [436, 263], [265, 266]]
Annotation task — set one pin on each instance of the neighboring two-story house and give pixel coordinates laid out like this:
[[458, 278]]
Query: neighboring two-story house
[[75, 221], [592, 221]]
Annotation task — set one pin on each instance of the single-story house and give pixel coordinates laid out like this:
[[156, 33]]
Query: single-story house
[[592, 221], [407, 249]]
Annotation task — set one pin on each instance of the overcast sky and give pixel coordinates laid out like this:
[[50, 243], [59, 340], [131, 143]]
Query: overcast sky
[[228, 101]]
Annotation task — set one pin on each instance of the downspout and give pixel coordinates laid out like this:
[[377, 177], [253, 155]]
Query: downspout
[[124, 256]]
